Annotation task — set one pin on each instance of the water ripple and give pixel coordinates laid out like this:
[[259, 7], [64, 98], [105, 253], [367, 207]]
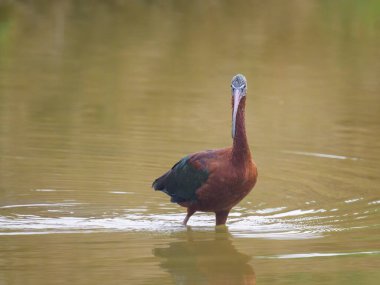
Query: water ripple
[[318, 254], [40, 205], [322, 155], [268, 227], [267, 223]]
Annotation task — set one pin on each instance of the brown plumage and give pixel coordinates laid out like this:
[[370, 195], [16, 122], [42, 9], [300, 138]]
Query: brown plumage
[[215, 180]]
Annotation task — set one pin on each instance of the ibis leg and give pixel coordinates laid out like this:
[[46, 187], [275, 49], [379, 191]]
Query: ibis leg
[[190, 212], [221, 217]]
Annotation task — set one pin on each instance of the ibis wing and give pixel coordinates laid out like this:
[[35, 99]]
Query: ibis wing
[[182, 181]]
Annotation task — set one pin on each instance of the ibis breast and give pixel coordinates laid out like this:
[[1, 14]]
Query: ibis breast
[[227, 184]]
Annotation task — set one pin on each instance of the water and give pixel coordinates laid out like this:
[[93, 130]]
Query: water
[[97, 100]]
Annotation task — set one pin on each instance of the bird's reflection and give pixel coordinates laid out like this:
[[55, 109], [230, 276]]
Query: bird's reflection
[[206, 258]]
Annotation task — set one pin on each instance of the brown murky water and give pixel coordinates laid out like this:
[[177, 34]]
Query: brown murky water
[[98, 99]]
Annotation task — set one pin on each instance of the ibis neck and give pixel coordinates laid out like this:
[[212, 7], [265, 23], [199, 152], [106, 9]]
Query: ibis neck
[[240, 148]]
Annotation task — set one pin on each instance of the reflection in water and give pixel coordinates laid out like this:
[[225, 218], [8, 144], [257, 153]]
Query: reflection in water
[[204, 261]]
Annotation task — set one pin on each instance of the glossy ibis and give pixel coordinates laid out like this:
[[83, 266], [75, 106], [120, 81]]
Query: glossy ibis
[[215, 180]]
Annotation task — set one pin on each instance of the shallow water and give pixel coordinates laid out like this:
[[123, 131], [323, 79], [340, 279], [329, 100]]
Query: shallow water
[[98, 100]]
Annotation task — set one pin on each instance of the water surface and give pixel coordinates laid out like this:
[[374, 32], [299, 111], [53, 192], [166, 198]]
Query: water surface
[[97, 100]]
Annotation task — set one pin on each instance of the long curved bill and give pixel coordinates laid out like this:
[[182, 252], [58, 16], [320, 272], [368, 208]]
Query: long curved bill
[[237, 97]]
